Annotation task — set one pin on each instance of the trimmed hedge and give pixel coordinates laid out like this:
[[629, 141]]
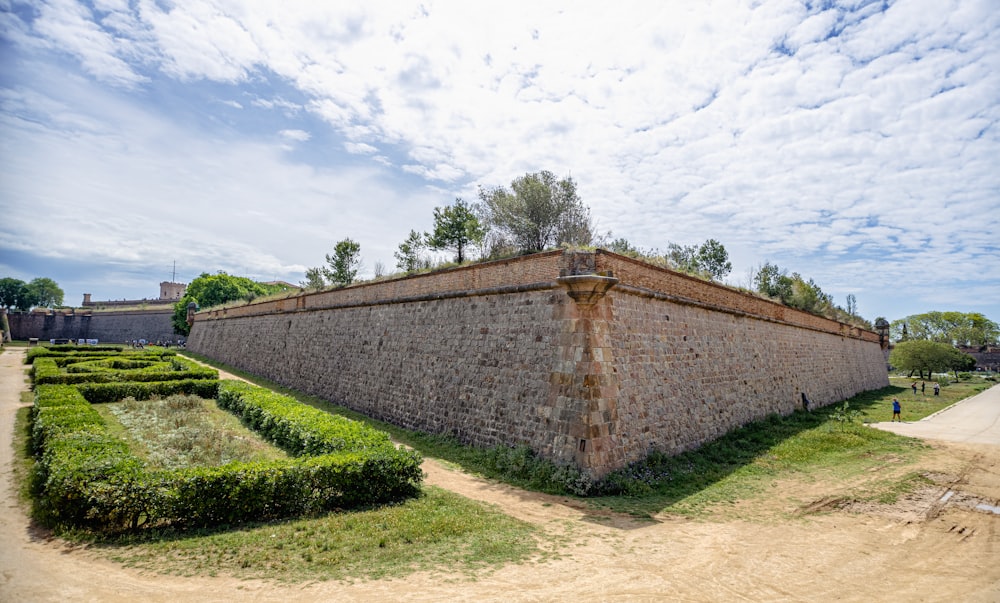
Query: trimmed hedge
[[86, 477], [299, 429], [115, 370], [72, 351], [96, 393]]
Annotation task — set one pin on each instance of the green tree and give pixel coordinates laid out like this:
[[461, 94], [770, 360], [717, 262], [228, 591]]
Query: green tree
[[957, 328], [45, 292], [683, 257], [11, 292], [713, 259], [455, 227], [210, 290], [342, 266], [408, 256], [793, 290], [621, 245], [314, 279], [919, 355], [537, 212]]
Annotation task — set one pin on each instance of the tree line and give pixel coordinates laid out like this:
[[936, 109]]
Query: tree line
[[41, 292]]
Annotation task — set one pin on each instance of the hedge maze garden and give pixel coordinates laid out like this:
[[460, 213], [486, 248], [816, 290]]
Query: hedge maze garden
[[89, 475]]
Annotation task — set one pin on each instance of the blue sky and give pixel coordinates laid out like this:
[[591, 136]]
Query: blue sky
[[854, 142]]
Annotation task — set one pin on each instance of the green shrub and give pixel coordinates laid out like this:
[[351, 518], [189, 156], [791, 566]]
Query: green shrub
[[86, 477], [299, 429], [96, 393]]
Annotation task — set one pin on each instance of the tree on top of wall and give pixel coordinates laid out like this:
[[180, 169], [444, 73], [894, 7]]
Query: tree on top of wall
[[456, 228], [537, 212], [210, 290]]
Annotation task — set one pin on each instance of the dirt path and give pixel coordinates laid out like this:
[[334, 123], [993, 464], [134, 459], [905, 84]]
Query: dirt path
[[921, 550]]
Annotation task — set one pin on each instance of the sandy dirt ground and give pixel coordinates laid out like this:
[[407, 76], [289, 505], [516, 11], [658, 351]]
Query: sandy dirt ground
[[801, 544]]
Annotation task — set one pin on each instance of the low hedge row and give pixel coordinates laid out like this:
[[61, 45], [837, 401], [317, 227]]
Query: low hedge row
[[96, 393], [86, 477], [295, 427], [70, 351], [46, 371]]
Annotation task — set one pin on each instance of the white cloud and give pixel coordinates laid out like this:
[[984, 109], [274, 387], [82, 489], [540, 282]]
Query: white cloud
[[296, 135], [808, 138]]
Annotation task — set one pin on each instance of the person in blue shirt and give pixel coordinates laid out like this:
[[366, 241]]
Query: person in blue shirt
[[896, 409]]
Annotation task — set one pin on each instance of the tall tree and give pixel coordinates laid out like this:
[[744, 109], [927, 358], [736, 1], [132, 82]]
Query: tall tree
[[537, 212], [45, 292], [408, 255], [455, 227], [713, 259], [921, 355], [342, 266], [11, 292], [213, 290], [314, 279], [956, 328]]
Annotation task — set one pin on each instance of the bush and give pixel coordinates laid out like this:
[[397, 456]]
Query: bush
[[299, 429], [86, 477]]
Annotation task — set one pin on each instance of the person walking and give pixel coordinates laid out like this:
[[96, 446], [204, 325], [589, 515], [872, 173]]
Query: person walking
[[914, 387], [937, 389], [897, 409], [923, 387]]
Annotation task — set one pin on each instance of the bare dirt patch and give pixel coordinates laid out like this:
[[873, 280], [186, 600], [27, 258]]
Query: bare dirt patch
[[798, 543]]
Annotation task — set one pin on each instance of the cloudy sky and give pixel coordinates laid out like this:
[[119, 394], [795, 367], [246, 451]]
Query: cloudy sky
[[856, 142]]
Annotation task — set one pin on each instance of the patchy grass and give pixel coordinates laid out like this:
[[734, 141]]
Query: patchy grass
[[22, 462], [438, 531], [923, 404], [744, 465], [184, 431]]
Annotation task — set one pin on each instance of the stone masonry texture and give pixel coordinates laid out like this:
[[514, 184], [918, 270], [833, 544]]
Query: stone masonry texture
[[595, 372], [108, 327]]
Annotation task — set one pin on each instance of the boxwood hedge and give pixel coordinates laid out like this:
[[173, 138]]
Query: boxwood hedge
[[86, 477]]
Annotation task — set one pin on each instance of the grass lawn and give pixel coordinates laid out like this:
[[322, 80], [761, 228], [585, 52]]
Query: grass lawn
[[439, 531]]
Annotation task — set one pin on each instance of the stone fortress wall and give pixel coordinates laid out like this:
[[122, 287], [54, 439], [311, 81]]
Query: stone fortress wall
[[589, 358], [115, 326]]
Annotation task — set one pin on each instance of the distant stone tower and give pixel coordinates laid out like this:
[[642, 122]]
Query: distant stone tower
[[171, 291]]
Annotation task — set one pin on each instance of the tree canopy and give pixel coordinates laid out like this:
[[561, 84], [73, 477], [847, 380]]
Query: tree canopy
[[342, 267], [455, 227], [41, 292], [956, 328], [931, 356], [537, 212], [792, 289], [210, 290], [408, 256], [710, 258]]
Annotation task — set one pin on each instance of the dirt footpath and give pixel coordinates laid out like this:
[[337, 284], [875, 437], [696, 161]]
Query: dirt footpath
[[921, 549]]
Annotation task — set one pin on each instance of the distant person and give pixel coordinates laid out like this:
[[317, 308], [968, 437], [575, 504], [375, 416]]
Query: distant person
[[914, 386], [923, 387], [897, 409], [937, 389]]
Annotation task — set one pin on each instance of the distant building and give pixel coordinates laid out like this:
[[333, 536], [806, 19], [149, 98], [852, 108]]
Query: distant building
[[169, 294], [172, 291]]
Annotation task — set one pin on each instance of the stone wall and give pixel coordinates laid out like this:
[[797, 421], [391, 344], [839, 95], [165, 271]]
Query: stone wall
[[107, 327], [592, 369]]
